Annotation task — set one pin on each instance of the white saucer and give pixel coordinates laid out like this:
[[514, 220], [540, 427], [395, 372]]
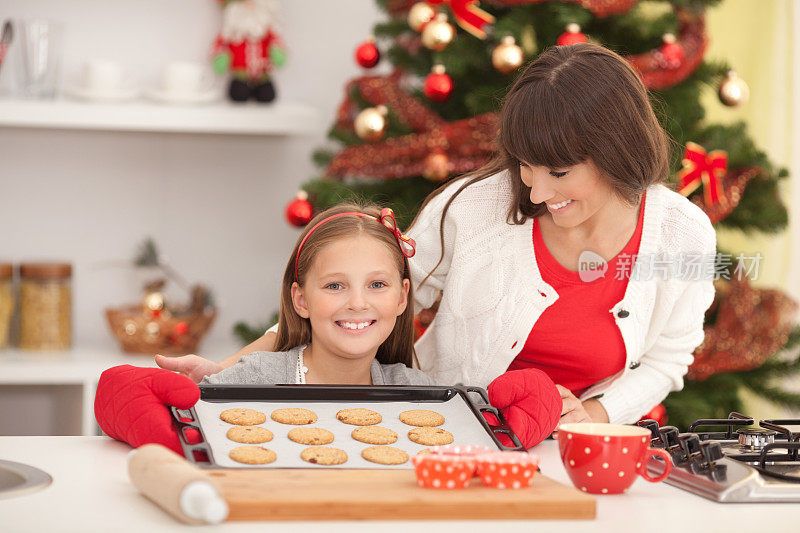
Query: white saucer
[[82, 93], [209, 95]]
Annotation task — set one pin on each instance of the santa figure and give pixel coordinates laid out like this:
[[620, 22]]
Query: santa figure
[[248, 47]]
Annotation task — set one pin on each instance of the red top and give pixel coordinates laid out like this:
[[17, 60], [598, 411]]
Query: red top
[[579, 360]]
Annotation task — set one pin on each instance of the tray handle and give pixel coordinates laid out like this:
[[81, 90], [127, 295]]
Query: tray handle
[[493, 430], [198, 453]]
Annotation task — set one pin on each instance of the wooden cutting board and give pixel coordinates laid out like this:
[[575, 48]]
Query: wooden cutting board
[[336, 494]]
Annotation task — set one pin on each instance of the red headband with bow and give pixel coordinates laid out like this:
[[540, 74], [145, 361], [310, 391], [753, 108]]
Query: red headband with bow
[[408, 246]]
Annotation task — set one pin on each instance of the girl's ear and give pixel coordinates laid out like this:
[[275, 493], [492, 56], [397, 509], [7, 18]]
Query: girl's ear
[[299, 301], [401, 307]]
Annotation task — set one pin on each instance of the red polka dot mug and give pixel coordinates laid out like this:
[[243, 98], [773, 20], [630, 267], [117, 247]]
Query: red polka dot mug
[[607, 458]]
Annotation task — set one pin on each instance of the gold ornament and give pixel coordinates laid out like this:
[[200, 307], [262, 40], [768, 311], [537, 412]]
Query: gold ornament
[[733, 90], [507, 56], [438, 33], [435, 166], [420, 14], [370, 124]]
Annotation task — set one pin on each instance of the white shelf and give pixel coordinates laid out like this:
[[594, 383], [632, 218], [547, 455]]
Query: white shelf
[[83, 363], [251, 118]]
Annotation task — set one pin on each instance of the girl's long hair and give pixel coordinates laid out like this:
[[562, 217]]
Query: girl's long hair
[[573, 104], [294, 330]]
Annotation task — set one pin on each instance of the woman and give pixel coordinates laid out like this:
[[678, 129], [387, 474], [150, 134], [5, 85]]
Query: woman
[[581, 158]]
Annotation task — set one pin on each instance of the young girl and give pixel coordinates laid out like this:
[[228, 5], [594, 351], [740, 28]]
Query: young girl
[[344, 314], [344, 319], [579, 170]]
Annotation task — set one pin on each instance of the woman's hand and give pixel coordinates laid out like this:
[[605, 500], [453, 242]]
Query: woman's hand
[[572, 410], [192, 366]]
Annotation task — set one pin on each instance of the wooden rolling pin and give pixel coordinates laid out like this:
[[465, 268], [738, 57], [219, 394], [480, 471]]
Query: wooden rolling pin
[[177, 486]]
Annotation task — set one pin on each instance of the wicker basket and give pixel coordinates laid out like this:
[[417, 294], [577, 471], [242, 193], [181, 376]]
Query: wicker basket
[[168, 334]]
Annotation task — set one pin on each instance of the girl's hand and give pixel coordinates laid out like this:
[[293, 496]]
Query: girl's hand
[[132, 405], [192, 366]]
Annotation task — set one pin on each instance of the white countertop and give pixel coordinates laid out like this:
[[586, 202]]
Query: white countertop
[[91, 492]]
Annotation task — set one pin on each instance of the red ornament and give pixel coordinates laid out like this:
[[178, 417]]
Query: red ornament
[[671, 53], [573, 35], [180, 328], [657, 413], [299, 211], [438, 85], [367, 54]]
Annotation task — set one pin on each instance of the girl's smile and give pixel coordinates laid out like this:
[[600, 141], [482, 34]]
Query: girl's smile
[[353, 326]]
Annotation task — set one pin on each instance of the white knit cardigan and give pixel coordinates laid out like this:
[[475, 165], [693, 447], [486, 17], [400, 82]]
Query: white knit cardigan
[[493, 294]]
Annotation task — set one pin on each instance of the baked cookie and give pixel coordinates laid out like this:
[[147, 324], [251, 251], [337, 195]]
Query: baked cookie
[[249, 434], [294, 416], [243, 417], [314, 436], [374, 435], [420, 417], [323, 455], [359, 417], [252, 455], [384, 455], [430, 436]]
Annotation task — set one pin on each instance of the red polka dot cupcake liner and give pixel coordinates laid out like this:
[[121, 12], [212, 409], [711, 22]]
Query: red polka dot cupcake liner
[[467, 451], [439, 471], [461, 450], [507, 470]]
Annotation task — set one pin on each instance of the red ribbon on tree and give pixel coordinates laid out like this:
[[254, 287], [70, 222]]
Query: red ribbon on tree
[[468, 15], [708, 169]]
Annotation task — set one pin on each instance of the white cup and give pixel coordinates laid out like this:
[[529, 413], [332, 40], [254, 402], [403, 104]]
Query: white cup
[[102, 76], [185, 79]]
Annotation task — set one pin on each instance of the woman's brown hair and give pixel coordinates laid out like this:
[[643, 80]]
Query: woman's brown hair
[[294, 330], [573, 104]]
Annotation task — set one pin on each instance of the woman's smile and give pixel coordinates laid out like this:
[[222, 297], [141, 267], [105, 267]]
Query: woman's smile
[[559, 207]]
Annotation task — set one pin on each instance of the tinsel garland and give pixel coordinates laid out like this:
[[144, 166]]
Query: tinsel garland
[[752, 324], [467, 143], [733, 186], [378, 90], [692, 37]]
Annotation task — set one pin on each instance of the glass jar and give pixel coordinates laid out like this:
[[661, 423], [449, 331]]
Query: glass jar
[[45, 306], [6, 302]]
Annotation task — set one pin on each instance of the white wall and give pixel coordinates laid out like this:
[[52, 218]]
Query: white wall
[[213, 203]]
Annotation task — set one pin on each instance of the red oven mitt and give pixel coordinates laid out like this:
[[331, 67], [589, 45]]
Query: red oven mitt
[[131, 404], [531, 403]]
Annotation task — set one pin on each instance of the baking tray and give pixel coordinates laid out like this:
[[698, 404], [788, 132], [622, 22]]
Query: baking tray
[[461, 407]]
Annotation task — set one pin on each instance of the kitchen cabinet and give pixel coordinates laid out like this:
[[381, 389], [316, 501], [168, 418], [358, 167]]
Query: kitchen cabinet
[[52, 393]]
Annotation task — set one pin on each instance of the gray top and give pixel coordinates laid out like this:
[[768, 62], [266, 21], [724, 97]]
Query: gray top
[[279, 368]]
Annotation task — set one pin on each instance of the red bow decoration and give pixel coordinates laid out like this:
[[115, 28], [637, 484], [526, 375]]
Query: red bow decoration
[[408, 246], [468, 15], [706, 168]]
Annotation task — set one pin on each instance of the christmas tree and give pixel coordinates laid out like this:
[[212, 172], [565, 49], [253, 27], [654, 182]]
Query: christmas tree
[[400, 136]]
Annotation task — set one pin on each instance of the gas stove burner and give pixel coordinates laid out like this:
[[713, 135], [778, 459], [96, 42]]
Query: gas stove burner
[[755, 439], [734, 459]]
